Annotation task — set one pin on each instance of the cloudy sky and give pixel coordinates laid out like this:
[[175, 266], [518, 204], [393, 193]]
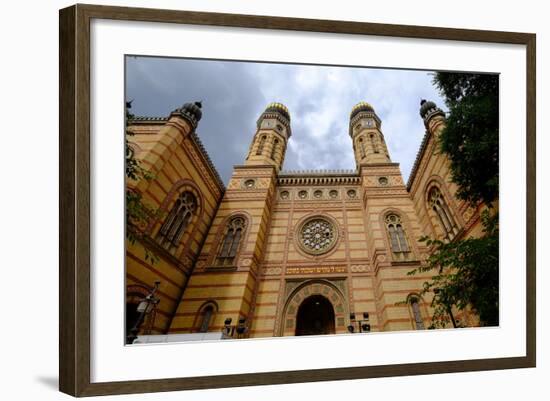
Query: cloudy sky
[[319, 99]]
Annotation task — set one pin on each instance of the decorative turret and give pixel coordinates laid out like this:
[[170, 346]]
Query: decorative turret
[[368, 141], [433, 116], [191, 112], [273, 131], [428, 110]]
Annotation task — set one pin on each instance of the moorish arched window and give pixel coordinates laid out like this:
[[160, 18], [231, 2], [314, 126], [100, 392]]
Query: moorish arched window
[[274, 149], [417, 315], [396, 233], [373, 143], [178, 219], [362, 147], [207, 314], [439, 206], [231, 241], [261, 145]]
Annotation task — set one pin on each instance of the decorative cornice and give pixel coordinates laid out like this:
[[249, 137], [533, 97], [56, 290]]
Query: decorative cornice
[[193, 136], [293, 173], [319, 177], [419, 156], [204, 153], [147, 120], [376, 166]]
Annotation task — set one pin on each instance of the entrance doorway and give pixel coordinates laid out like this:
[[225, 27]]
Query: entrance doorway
[[315, 316]]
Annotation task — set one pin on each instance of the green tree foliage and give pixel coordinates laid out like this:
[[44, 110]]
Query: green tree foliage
[[138, 213], [470, 138], [466, 274], [466, 269]]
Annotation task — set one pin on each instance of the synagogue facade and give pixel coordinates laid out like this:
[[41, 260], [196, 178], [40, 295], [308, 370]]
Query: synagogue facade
[[284, 253]]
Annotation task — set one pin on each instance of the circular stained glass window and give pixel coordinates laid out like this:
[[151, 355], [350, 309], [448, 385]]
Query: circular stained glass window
[[352, 193], [317, 235], [318, 194], [285, 195], [249, 183], [383, 181], [302, 194], [333, 194]]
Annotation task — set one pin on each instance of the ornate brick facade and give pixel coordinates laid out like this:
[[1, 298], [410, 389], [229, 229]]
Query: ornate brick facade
[[273, 245]]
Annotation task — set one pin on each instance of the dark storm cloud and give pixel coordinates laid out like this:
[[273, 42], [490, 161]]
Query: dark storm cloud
[[231, 101], [319, 99]]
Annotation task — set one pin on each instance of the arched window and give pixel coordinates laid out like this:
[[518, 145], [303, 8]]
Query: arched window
[[274, 149], [373, 143], [439, 206], [396, 233], [178, 219], [261, 145], [207, 314], [231, 241], [415, 307], [362, 147]]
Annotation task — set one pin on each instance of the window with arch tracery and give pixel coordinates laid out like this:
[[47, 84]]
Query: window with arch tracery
[[274, 149], [439, 206], [396, 233], [418, 321], [261, 145], [231, 241], [178, 219], [373, 143]]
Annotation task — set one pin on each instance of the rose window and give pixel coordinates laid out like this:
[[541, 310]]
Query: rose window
[[317, 236]]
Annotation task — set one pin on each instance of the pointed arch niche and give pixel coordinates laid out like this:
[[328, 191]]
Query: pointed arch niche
[[231, 240], [181, 190], [444, 218], [407, 249]]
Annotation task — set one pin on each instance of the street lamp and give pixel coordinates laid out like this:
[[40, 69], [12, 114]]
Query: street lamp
[[363, 324], [146, 306], [227, 331], [239, 329]]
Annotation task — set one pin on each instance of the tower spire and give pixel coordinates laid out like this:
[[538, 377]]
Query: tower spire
[[268, 146], [368, 141]]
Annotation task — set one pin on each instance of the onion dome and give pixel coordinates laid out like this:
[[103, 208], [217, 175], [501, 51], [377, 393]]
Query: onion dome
[[360, 107], [190, 111], [360, 111], [279, 112], [425, 106], [278, 107], [428, 109]]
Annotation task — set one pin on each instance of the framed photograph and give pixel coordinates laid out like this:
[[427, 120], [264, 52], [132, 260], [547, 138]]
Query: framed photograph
[[249, 200]]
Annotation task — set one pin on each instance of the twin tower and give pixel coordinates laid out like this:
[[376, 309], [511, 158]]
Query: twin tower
[[273, 132]]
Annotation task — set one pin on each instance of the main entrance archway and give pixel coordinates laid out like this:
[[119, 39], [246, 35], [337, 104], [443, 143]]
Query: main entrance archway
[[304, 296], [315, 316]]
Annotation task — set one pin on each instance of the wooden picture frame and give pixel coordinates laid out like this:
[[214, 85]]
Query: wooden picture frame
[[74, 203]]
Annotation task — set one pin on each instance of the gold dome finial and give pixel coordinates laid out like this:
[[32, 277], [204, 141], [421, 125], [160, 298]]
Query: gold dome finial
[[276, 106], [361, 106]]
